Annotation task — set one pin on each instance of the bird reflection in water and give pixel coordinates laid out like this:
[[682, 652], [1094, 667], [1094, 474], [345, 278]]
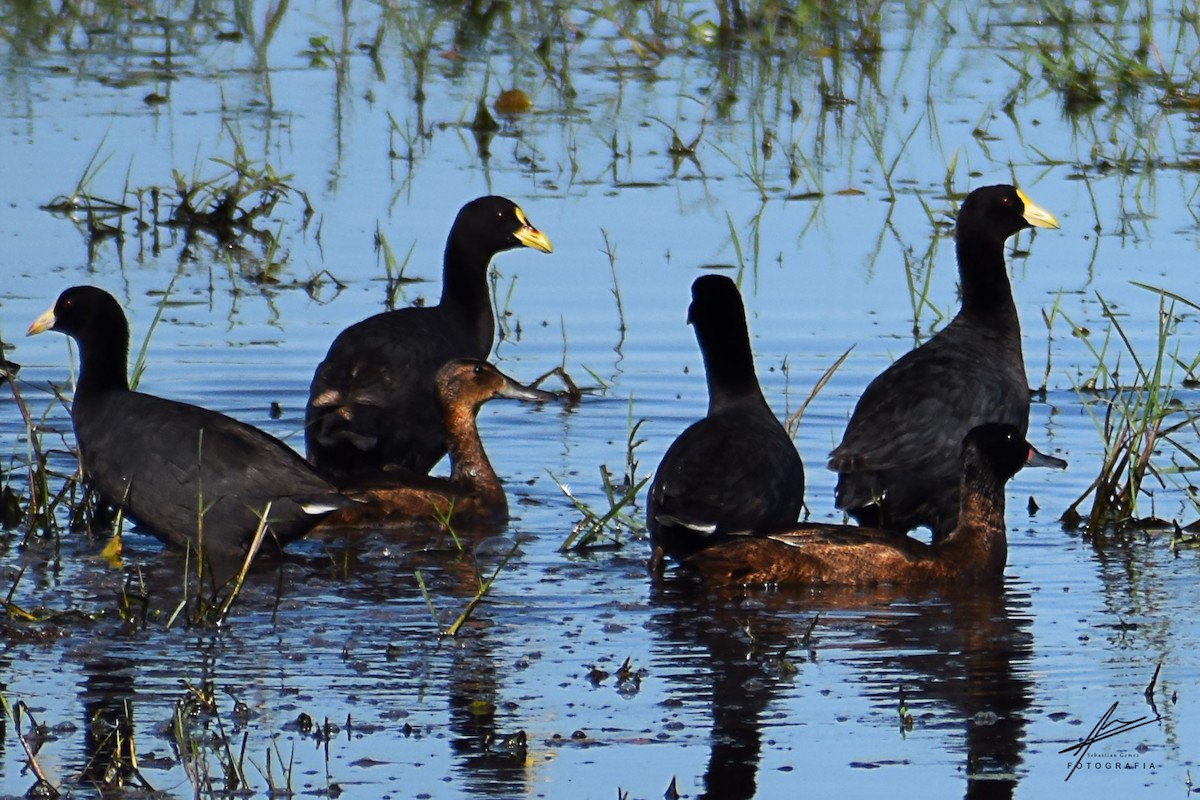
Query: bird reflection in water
[[962, 656]]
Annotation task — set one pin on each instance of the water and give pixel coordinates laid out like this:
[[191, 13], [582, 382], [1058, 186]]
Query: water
[[728, 693]]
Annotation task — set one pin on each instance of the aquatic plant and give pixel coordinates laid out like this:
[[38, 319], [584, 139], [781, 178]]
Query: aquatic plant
[[229, 206], [604, 526], [484, 585], [16, 713], [1136, 417]]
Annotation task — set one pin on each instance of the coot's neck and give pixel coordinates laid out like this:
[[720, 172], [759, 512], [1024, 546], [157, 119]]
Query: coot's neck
[[986, 291], [728, 363], [469, 465], [103, 366], [465, 290], [980, 542]]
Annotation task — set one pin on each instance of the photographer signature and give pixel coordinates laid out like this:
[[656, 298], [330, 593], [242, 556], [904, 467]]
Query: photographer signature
[[1104, 729]]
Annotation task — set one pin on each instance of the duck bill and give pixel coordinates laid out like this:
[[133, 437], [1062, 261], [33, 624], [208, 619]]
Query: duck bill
[[1040, 459], [1035, 215], [530, 236], [43, 323], [516, 391]]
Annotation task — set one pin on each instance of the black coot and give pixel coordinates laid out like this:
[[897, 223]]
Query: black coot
[[373, 406], [898, 461], [736, 469], [192, 477]]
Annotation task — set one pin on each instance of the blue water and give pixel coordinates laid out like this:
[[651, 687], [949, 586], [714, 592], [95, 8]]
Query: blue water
[[725, 696]]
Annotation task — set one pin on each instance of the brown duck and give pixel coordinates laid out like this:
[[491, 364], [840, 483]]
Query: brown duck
[[845, 555], [472, 496]]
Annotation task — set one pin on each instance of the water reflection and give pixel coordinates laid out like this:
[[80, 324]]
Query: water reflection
[[490, 762], [108, 725], [955, 657], [738, 637], [449, 568]]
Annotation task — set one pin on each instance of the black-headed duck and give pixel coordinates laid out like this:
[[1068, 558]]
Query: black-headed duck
[[372, 405], [472, 496], [846, 555], [897, 462]]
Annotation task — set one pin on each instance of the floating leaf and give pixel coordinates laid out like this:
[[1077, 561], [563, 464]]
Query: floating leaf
[[511, 102]]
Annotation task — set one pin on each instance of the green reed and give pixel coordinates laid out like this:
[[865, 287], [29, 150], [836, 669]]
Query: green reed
[[599, 526], [1136, 417]]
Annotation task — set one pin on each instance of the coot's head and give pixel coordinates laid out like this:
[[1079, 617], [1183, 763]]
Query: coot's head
[[90, 315], [715, 298], [997, 212], [496, 224], [469, 383]]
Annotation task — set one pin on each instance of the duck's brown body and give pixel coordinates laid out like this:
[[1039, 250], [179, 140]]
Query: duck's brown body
[[472, 496], [845, 555]]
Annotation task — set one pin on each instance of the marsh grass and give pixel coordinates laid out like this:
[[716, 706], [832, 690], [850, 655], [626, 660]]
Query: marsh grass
[[602, 527], [99, 213], [1137, 418], [281, 787], [1088, 66], [230, 206], [393, 268], [510, 329], [1048, 319], [610, 253], [113, 762], [38, 508], [483, 587], [205, 747], [16, 713], [792, 423]]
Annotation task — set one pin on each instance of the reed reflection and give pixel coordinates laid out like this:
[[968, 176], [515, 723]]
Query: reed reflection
[[450, 568]]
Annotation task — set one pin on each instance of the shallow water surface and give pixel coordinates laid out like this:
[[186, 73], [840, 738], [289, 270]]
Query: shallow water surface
[[830, 150]]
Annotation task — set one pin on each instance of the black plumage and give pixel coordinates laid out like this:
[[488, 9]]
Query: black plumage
[[897, 463], [737, 469], [373, 406], [191, 476]]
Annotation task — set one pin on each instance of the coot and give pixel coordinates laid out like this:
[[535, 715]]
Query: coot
[[736, 469], [897, 464], [372, 407], [194, 478]]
